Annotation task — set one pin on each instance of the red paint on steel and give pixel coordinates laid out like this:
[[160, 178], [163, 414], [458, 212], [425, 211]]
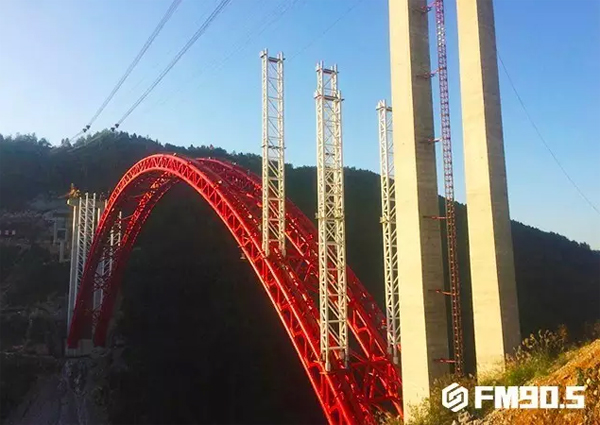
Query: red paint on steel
[[348, 396], [378, 377]]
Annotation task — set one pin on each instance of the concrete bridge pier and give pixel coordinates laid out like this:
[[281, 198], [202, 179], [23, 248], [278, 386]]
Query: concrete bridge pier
[[423, 317], [495, 307]]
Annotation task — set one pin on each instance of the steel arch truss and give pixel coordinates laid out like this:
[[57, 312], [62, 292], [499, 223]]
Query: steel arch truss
[[371, 383]]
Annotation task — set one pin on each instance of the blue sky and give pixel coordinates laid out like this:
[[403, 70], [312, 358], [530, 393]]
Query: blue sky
[[59, 59]]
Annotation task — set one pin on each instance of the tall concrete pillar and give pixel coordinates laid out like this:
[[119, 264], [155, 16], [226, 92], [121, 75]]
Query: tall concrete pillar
[[423, 331], [495, 308]]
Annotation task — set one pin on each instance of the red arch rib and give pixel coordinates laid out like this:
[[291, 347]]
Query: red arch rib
[[378, 378], [350, 395]]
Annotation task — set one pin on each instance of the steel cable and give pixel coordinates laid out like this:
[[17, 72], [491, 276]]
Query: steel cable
[[221, 6], [263, 25], [133, 64]]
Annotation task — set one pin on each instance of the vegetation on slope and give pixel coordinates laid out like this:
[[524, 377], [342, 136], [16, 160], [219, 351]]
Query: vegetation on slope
[[30, 283], [544, 358]]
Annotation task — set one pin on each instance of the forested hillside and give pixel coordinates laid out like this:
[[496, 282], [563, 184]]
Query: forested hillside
[[200, 334]]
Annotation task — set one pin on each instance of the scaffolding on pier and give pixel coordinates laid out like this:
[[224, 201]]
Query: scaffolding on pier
[[331, 220], [87, 210], [273, 162], [388, 223]]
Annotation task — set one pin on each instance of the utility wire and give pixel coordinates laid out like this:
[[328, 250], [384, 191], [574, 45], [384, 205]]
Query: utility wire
[[209, 66], [85, 144], [133, 64], [185, 48], [75, 137], [279, 14], [154, 34], [537, 130], [155, 66], [269, 20], [297, 53]]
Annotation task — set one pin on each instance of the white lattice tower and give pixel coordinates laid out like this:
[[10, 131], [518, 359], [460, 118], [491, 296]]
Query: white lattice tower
[[388, 223], [105, 265], [115, 239], [87, 211], [74, 203], [273, 164], [84, 225], [330, 215], [102, 265]]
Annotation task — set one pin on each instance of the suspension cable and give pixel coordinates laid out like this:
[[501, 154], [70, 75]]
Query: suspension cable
[[263, 25], [133, 64], [221, 6], [543, 140]]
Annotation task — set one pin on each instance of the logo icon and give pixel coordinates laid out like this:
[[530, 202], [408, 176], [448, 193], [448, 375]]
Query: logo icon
[[455, 397]]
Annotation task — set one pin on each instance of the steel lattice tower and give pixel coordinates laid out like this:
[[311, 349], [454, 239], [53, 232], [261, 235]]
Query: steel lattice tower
[[87, 211], [75, 204], [273, 164], [84, 225], [105, 264], [115, 239], [388, 222], [102, 266], [330, 215]]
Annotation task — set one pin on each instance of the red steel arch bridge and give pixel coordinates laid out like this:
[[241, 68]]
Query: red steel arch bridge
[[348, 347], [348, 393]]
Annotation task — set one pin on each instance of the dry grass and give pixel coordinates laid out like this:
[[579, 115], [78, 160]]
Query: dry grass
[[542, 359], [582, 367]]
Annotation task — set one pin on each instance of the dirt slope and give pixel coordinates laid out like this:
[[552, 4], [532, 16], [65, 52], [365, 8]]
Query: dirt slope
[[587, 359]]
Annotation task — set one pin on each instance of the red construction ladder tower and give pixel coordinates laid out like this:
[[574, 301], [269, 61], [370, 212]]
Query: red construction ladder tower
[[450, 217]]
